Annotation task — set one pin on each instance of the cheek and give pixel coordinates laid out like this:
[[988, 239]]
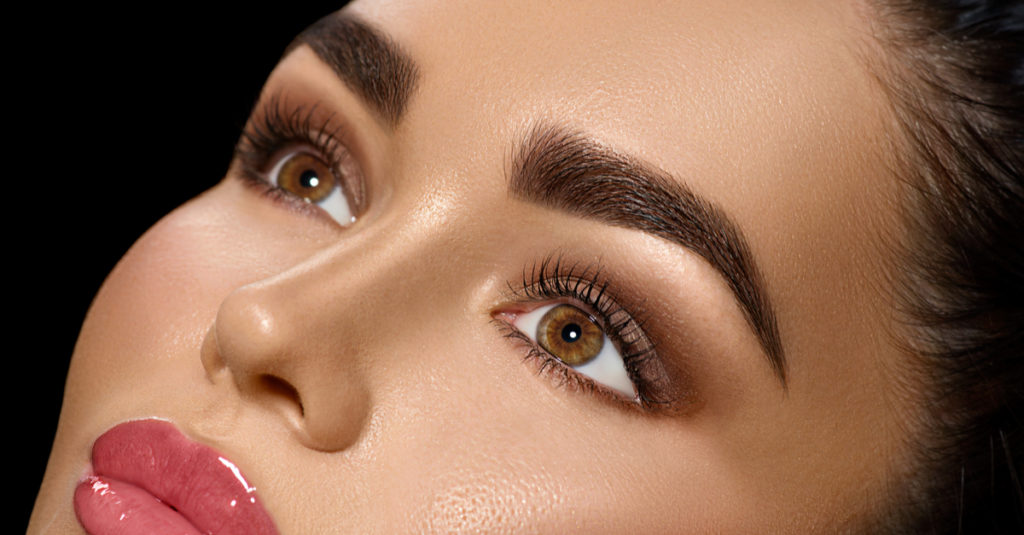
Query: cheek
[[463, 438], [141, 338]]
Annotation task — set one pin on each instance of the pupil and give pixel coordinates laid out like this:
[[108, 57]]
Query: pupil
[[309, 179], [571, 332]]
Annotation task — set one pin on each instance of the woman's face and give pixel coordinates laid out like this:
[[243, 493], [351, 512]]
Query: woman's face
[[696, 187]]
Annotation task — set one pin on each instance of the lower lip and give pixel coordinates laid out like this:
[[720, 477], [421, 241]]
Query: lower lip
[[150, 479]]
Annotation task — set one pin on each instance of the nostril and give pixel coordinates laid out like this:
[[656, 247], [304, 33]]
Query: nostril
[[282, 390]]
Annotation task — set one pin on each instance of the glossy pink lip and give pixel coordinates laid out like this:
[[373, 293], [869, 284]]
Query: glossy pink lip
[[150, 479]]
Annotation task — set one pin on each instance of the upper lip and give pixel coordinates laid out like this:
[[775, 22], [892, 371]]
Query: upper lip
[[202, 485]]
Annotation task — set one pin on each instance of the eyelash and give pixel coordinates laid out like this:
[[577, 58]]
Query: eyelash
[[587, 288], [275, 126]]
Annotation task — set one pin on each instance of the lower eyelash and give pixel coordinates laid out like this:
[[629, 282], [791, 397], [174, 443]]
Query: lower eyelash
[[279, 195], [549, 364], [563, 376]]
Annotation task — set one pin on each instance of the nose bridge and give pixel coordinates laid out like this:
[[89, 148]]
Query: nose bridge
[[362, 279], [304, 341]]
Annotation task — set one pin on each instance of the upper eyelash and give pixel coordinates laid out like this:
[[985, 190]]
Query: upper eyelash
[[275, 124], [553, 278]]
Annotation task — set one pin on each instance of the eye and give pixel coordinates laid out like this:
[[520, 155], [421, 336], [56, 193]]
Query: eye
[[299, 154], [311, 179], [575, 338]]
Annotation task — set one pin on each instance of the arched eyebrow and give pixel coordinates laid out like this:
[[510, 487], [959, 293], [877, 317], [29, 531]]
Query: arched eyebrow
[[369, 62], [567, 171]]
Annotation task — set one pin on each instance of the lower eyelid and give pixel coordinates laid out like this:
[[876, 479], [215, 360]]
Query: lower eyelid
[[560, 374], [657, 391], [282, 198], [545, 364]]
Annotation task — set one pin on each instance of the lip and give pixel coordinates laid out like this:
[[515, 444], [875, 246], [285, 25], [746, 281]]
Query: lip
[[149, 478]]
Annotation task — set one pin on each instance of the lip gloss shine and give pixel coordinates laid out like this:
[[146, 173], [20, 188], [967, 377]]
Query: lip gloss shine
[[148, 478]]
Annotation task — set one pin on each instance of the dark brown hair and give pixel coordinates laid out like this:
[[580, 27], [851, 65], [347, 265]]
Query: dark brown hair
[[954, 73]]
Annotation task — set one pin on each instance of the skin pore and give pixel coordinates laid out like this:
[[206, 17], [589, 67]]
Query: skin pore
[[363, 376]]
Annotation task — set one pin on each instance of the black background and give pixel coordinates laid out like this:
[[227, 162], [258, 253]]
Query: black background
[[115, 118]]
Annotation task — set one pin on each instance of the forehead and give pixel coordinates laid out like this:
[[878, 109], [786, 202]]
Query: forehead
[[766, 108], [731, 96], [679, 77]]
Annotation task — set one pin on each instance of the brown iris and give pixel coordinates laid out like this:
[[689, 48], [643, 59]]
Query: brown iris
[[569, 334], [306, 176]]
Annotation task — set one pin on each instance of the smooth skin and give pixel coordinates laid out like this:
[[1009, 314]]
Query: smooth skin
[[359, 376]]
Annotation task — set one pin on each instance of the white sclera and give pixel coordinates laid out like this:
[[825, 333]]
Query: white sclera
[[606, 368], [336, 204]]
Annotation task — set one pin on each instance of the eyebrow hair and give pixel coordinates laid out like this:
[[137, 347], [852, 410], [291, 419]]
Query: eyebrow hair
[[367, 60], [567, 171]]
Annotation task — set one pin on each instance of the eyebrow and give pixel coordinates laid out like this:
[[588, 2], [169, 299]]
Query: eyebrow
[[567, 171], [369, 62]]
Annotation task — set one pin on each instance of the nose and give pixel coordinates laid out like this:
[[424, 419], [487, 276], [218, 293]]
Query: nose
[[267, 338], [283, 345], [316, 341]]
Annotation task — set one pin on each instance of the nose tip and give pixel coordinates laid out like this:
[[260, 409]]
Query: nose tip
[[273, 354], [247, 334]]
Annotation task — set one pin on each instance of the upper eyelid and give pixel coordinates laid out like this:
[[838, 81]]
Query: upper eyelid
[[280, 120], [626, 324], [622, 320], [567, 281], [275, 117], [610, 330]]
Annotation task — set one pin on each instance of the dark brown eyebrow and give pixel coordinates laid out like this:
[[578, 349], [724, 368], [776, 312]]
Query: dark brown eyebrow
[[368, 61], [569, 172]]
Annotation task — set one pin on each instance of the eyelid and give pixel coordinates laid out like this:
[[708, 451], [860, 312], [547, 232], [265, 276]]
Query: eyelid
[[585, 287], [607, 368], [332, 197], [277, 128]]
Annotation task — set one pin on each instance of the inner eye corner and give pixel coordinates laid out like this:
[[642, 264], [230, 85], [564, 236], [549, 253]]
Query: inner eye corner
[[503, 314]]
